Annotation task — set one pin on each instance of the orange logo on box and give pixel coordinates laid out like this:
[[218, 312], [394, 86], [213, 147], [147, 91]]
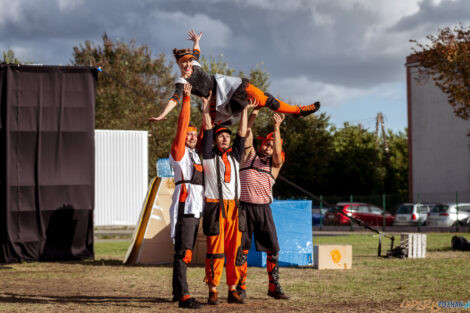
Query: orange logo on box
[[335, 255]]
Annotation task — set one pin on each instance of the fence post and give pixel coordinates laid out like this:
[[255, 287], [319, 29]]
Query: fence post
[[350, 209], [419, 216], [321, 212], [457, 208], [383, 212]]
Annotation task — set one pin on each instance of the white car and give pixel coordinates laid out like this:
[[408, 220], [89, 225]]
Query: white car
[[446, 215], [412, 214]]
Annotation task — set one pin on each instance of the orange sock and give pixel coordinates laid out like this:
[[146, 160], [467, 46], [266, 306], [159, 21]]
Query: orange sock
[[266, 99], [185, 297], [287, 108]]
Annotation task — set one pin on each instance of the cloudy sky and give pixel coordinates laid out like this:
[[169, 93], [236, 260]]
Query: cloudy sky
[[349, 54]]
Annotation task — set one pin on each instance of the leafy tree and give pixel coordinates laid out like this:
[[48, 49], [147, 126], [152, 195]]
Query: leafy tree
[[320, 158], [447, 59], [117, 107], [308, 149], [9, 57], [356, 166], [398, 163]]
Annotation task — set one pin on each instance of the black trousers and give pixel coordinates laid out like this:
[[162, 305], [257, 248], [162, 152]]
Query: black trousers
[[185, 238], [260, 222]]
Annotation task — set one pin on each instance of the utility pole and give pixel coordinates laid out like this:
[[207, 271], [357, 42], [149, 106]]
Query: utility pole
[[380, 125]]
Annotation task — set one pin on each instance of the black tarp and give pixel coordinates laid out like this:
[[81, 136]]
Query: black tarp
[[46, 162]]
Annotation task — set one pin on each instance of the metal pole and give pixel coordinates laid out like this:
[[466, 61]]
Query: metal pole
[[321, 212], [350, 209], [419, 217], [384, 210], [457, 208]]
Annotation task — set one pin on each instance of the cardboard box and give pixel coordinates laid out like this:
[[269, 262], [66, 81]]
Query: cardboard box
[[332, 257]]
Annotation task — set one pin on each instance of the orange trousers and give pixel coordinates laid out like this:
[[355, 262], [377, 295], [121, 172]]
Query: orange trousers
[[226, 243]]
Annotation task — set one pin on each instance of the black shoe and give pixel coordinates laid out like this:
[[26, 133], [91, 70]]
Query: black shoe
[[190, 303], [175, 299], [309, 109], [233, 297]]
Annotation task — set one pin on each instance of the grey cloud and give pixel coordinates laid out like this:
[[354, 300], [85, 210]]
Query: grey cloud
[[445, 13], [323, 40]]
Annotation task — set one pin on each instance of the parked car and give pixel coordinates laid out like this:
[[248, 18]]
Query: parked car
[[318, 214], [367, 213], [446, 215], [412, 214]]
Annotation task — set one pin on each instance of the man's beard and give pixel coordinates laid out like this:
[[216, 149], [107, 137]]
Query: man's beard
[[191, 145]]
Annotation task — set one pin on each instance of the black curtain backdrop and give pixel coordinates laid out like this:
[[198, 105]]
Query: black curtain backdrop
[[47, 162]]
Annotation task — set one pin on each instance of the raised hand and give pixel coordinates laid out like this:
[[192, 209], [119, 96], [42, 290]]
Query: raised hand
[[278, 118], [193, 36], [187, 90], [254, 103], [206, 102]]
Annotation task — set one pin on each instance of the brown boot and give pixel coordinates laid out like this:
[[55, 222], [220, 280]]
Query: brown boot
[[213, 298], [233, 297]]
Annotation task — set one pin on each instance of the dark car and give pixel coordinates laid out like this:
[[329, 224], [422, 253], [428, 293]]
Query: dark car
[[318, 215], [369, 214]]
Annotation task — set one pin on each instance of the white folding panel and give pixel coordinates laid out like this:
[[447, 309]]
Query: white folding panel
[[415, 244], [121, 176]]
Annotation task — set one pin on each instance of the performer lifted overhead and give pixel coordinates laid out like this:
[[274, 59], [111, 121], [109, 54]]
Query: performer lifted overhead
[[230, 94]]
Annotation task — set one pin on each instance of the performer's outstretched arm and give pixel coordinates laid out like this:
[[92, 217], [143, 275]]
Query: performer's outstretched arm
[[249, 132], [178, 146], [195, 39], [206, 116], [277, 146], [243, 125], [207, 139], [170, 106]]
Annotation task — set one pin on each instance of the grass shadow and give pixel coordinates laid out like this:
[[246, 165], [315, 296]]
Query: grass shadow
[[3, 267], [81, 299], [440, 249], [112, 262]]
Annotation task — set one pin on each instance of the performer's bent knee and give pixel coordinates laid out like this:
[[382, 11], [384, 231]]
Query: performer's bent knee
[[272, 102], [273, 256]]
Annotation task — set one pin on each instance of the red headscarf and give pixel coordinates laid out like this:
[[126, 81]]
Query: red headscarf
[[192, 129], [268, 137]]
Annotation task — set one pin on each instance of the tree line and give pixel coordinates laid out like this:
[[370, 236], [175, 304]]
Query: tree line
[[320, 157]]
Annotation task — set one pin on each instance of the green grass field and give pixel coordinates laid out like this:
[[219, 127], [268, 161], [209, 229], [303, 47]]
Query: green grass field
[[372, 285]]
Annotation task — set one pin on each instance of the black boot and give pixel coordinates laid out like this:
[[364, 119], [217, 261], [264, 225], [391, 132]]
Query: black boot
[[190, 303], [278, 293], [241, 292], [274, 289], [309, 109]]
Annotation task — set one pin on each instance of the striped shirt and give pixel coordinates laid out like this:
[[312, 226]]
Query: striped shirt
[[256, 180]]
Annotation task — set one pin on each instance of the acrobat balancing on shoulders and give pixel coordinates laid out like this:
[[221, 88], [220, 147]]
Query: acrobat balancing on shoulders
[[230, 94]]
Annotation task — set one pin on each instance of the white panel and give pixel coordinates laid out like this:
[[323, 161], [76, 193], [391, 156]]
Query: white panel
[[416, 244], [121, 176], [440, 149]]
